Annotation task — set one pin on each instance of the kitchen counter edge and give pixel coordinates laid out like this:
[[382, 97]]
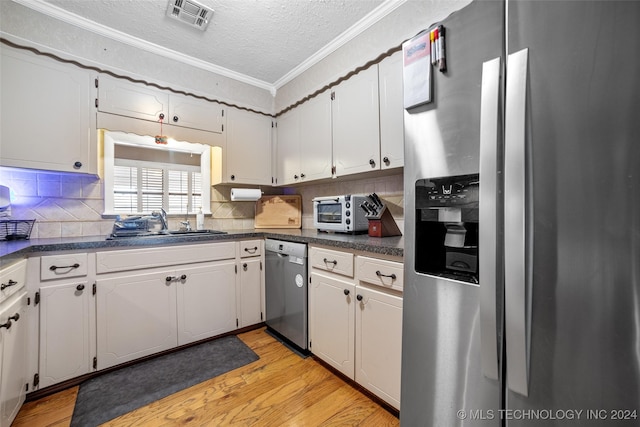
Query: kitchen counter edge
[[15, 250]]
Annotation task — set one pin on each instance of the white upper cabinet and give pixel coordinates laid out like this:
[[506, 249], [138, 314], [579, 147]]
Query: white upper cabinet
[[359, 129], [356, 124], [46, 114], [288, 150], [391, 112], [196, 113], [315, 138], [304, 142], [139, 101], [248, 154]]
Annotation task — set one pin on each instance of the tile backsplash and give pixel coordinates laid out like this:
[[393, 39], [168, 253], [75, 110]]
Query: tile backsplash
[[63, 205], [71, 205], [389, 188]]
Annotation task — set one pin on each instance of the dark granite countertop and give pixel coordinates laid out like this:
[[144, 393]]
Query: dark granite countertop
[[393, 246]]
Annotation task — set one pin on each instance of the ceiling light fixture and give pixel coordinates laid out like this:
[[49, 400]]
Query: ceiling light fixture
[[190, 12]]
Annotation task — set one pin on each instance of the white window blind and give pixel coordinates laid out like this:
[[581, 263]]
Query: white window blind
[[141, 177], [144, 187]]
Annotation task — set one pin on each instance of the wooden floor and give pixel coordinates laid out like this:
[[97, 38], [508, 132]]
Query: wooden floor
[[279, 389]]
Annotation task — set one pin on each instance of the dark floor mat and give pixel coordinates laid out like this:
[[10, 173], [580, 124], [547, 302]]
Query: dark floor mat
[[108, 396]]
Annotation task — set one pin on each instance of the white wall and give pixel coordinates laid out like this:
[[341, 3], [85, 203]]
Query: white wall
[[400, 25], [25, 26], [67, 205], [21, 24]]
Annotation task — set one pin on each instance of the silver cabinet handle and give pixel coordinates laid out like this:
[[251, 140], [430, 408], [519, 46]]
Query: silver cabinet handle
[[8, 284], [516, 226], [8, 323], [334, 262], [70, 267], [490, 270], [252, 250], [392, 275], [172, 278]]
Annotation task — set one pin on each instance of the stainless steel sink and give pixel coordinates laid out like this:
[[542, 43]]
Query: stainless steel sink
[[164, 233]]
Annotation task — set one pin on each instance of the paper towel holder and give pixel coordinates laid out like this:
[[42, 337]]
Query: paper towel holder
[[245, 194]]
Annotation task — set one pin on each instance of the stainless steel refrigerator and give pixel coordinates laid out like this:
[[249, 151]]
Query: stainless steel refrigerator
[[522, 306]]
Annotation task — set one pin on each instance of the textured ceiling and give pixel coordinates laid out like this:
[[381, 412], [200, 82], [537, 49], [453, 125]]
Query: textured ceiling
[[262, 39]]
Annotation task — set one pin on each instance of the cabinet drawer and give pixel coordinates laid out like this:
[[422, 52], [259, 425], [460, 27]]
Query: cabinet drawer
[[13, 278], [249, 248], [135, 259], [334, 261], [63, 266], [387, 274]]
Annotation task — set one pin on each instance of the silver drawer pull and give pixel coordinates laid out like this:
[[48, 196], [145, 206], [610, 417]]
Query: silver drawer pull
[[251, 250], [70, 267], [9, 283], [392, 275], [172, 278], [8, 324], [334, 262]]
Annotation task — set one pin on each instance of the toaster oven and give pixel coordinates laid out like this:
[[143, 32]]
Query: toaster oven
[[340, 214]]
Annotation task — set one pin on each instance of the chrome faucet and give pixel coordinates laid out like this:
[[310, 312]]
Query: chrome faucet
[[163, 218], [186, 224]]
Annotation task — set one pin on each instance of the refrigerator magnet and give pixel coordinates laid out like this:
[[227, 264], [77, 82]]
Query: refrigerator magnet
[[416, 71]]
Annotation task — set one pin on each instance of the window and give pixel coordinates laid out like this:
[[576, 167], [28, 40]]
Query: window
[[141, 178]]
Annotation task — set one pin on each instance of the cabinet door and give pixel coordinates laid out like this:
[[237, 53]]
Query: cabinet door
[[196, 113], [13, 369], [288, 152], [46, 115], [136, 316], [331, 322], [251, 279], [379, 343], [65, 333], [391, 112], [315, 138], [356, 124], [206, 300], [118, 96], [248, 148]]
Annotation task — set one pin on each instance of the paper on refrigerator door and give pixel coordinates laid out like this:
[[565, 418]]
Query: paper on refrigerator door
[[416, 72]]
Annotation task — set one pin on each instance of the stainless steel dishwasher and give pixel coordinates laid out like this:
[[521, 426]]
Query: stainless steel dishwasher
[[286, 290]]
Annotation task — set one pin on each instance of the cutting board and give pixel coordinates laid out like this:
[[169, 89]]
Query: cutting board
[[279, 212]]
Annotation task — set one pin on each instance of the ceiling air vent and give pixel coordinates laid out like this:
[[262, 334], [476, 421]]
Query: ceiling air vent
[[190, 12]]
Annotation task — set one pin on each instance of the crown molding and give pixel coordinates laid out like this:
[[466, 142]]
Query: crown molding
[[371, 18], [359, 27], [86, 24]]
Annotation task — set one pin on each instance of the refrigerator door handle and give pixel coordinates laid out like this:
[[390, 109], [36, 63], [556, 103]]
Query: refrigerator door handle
[[517, 238], [488, 237]]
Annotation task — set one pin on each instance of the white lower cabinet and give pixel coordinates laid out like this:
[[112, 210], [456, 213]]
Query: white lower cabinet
[[62, 318], [250, 283], [13, 356], [67, 338], [139, 314], [331, 322], [379, 343], [355, 321], [206, 301], [136, 316], [251, 294]]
